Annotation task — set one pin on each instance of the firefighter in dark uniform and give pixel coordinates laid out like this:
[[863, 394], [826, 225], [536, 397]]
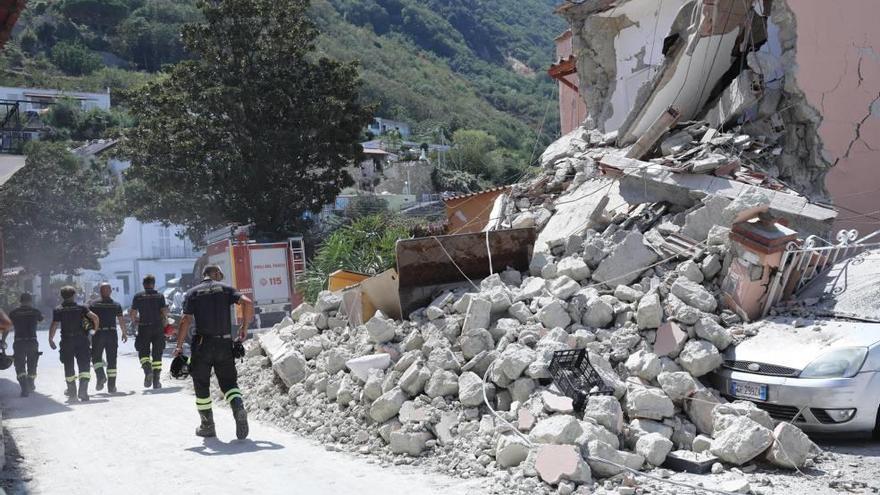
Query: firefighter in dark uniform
[[209, 304], [25, 349], [148, 314], [106, 338], [75, 353]]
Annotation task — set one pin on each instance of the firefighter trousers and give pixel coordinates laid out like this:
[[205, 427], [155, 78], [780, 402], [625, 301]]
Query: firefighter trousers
[[213, 353], [150, 344], [105, 341], [75, 354], [26, 354]]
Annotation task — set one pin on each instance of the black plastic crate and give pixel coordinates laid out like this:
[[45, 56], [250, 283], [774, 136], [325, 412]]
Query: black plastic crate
[[576, 378]]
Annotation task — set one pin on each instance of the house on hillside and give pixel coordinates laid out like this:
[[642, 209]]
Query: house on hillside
[[381, 126]]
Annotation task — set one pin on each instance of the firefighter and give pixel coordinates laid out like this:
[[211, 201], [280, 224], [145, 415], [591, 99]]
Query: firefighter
[[106, 338], [25, 349], [213, 346], [148, 315], [73, 319]]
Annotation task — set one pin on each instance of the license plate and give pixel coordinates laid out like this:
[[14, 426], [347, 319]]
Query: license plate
[[746, 390]]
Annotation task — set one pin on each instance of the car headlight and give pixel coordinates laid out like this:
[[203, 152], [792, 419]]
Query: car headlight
[[839, 363]]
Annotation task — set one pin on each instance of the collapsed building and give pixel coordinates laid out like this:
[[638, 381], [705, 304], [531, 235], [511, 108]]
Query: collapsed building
[[649, 238]]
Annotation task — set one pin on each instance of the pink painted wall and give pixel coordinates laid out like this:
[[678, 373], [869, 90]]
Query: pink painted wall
[[838, 58], [572, 108]]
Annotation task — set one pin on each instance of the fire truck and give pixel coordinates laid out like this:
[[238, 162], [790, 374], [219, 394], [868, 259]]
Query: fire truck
[[266, 272]]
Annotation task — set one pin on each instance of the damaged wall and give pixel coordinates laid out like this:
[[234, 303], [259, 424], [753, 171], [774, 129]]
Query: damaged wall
[[572, 108], [801, 78], [838, 70]]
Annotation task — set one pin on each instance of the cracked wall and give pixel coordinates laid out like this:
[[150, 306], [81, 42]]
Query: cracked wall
[[838, 71]]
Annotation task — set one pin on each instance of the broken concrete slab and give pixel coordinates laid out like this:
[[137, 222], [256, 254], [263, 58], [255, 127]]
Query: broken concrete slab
[[360, 366], [561, 429], [555, 403], [700, 357], [410, 443], [650, 312], [741, 441], [576, 212], [380, 328], [290, 365], [650, 403], [654, 447], [606, 411], [670, 339], [791, 447], [626, 262], [694, 295], [387, 405], [556, 463], [510, 451], [470, 389]]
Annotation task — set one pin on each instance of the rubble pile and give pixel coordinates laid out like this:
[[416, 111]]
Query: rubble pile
[[415, 392]]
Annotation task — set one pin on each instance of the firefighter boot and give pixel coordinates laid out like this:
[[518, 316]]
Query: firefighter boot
[[240, 415], [111, 384], [83, 389], [71, 390], [102, 378], [31, 385], [206, 429], [25, 386], [156, 375]]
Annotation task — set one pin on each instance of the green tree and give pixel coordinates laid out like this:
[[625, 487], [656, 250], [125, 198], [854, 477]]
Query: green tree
[[471, 152], [102, 14], [256, 129], [57, 214], [366, 246], [75, 59]]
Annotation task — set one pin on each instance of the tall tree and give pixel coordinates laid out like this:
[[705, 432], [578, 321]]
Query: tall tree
[[255, 129], [58, 214]]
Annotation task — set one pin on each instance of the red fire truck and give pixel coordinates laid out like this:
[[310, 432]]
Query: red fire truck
[[265, 272]]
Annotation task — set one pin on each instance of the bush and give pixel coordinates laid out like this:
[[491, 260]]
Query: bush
[[75, 59], [366, 246]]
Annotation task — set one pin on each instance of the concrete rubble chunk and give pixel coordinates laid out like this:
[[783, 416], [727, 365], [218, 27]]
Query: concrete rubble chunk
[[650, 312], [560, 429], [373, 385], [700, 357], [639, 427], [412, 413], [387, 405], [272, 344], [532, 287], [556, 463], [679, 311], [290, 366], [410, 443], [554, 403], [599, 313], [643, 364], [700, 410], [300, 310], [474, 341], [698, 223], [691, 271], [573, 267], [564, 287], [554, 315], [791, 447], [539, 261], [654, 447], [510, 451], [335, 360], [380, 328], [742, 441], [694, 295], [479, 314], [593, 431], [360, 366], [514, 361], [711, 266], [441, 384], [628, 294], [328, 301], [470, 389], [520, 311], [626, 262], [709, 330], [723, 415], [650, 403], [414, 379], [601, 450], [678, 385], [605, 411], [702, 443], [521, 389]]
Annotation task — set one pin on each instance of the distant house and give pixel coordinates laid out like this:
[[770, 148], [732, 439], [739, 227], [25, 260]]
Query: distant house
[[21, 111], [380, 126]]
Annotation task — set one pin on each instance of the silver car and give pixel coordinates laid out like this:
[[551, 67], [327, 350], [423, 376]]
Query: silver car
[[825, 373]]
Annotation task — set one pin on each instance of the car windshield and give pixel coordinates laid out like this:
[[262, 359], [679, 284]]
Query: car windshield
[[849, 288]]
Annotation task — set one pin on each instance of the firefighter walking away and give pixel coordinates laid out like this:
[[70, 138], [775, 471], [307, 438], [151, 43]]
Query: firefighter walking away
[[213, 346], [106, 339], [148, 315], [25, 349], [76, 321]]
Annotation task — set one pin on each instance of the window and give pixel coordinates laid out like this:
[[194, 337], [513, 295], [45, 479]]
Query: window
[[164, 242], [125, 287]]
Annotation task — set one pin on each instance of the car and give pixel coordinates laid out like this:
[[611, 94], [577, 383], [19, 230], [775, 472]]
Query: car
[[816, 363]]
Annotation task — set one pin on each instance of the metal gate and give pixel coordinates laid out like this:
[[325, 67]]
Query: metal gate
[[802, 261]]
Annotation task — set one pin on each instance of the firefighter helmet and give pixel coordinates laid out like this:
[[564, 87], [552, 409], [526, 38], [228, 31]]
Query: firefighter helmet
[[180, 367], [5, 361]]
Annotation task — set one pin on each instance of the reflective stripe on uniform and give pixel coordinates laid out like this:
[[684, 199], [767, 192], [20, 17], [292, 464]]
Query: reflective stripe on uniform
[[70, 379], [111, 372], [145, 360], [157, 365], [100, 364], [232, 394], [22, 375], [203, 404], [85, 376]]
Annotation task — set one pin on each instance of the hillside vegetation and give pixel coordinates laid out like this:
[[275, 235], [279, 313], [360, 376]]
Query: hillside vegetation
[[442, 65]]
